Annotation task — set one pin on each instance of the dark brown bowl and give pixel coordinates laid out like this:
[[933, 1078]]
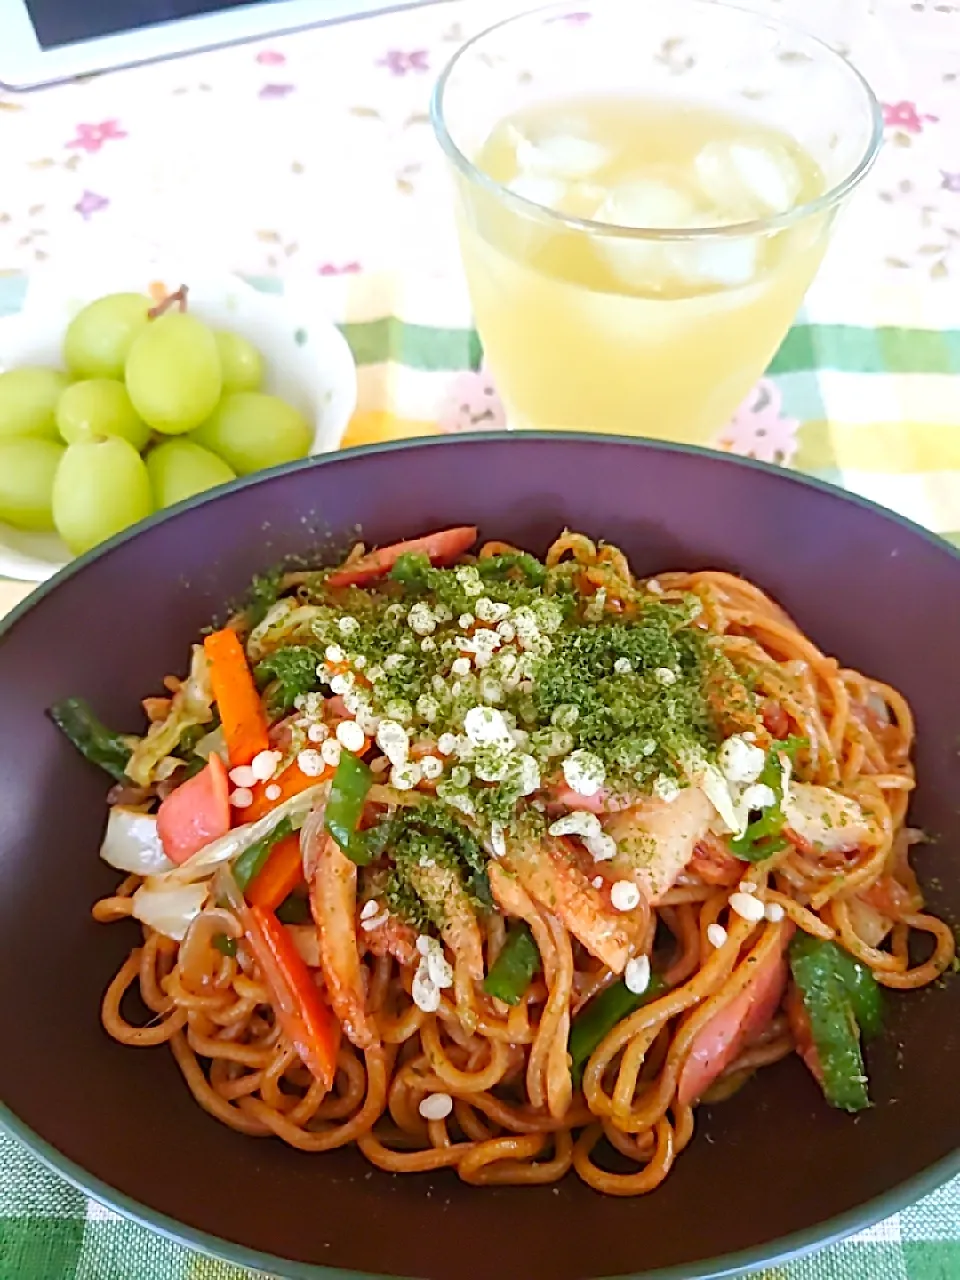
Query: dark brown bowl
[[770, 1174]]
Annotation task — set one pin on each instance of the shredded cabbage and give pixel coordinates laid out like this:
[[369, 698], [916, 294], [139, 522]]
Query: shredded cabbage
[[206, 860], [285, 623], [212, 744], [168, 907], [192, 705], [131, 843]]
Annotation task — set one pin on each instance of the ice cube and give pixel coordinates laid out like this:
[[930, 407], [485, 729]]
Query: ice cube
[[718, 261], [561, 155], [645, 202], [748, 180], [663, 264], [541, 190]]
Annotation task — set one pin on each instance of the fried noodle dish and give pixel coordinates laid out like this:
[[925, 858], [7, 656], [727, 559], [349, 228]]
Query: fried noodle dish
[[482, 861]]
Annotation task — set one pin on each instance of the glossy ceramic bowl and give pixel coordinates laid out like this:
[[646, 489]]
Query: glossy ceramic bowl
[[771, 1173]]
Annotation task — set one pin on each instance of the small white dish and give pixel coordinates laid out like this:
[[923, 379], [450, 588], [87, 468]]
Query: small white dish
[[307, 359]]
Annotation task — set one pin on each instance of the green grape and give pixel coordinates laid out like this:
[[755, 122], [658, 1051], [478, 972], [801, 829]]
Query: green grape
[[27, 469], [240, 362], [98, 338], [179, 468], [28, 402], [101, 487], [100, 407], [251, 431], [173, 373]]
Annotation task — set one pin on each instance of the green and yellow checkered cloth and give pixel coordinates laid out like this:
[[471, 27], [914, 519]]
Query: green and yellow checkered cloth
[[878, 412]]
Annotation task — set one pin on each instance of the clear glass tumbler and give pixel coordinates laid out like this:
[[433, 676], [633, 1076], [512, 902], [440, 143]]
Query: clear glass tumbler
[[596, 311]]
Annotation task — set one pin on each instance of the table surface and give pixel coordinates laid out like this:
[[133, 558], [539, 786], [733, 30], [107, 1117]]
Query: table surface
[[307, 163]]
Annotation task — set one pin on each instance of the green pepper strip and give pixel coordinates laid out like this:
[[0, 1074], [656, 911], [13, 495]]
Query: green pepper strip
[[249, 862], [861, 986], [294, 909], [822, 977], [601, 1015], [75, 718], [515, 966], [226, 946], [764, 837], [348, 794]]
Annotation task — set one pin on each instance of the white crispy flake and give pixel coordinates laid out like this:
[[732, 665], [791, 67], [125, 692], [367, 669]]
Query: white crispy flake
[[436, 1106], [405, 776], [584, 772], [747, 906], [375, 922], [485, 726], [393, 741], [243, 776], [421, 619], [624, 895], [311, 762], [757, 796], [426, 994], [264, 764], [636, 975], [431, 767], [350, 736], [581, 824], [741, 761], [716, 935]]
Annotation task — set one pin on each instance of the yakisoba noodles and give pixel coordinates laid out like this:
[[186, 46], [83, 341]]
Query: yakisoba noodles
[[505, 865]]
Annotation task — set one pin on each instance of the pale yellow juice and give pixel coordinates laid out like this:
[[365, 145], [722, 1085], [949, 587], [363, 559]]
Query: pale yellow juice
[[665, 338]]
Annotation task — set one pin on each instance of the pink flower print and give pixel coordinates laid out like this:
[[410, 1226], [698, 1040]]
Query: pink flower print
[[472, 404], [91, 137], [271, 58], [950, 182], [277, 90], [338, 269], [399, 63], [759, 429], [904, 115], [89, 204]]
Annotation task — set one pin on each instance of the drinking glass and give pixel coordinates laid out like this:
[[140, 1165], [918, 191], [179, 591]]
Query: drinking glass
[[656, 330]]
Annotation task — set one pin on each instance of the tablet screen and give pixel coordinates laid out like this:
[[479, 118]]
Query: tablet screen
[[60, 22]]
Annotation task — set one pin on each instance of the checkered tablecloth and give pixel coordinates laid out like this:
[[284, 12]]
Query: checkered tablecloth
[[243, 156]]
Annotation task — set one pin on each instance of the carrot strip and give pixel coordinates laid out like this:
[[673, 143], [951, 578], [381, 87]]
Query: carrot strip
[[291, 782], [241, 712], [305, 1020], [279, 876]]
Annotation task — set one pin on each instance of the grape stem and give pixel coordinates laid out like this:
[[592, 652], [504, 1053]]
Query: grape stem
[[179, 298]]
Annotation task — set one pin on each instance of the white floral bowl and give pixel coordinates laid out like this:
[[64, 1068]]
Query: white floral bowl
[[308, 361]]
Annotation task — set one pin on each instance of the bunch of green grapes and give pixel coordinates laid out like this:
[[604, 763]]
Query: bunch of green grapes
[[155, 407]]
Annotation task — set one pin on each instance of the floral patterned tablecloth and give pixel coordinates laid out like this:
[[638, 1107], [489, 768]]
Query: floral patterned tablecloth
[[307, 163]]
